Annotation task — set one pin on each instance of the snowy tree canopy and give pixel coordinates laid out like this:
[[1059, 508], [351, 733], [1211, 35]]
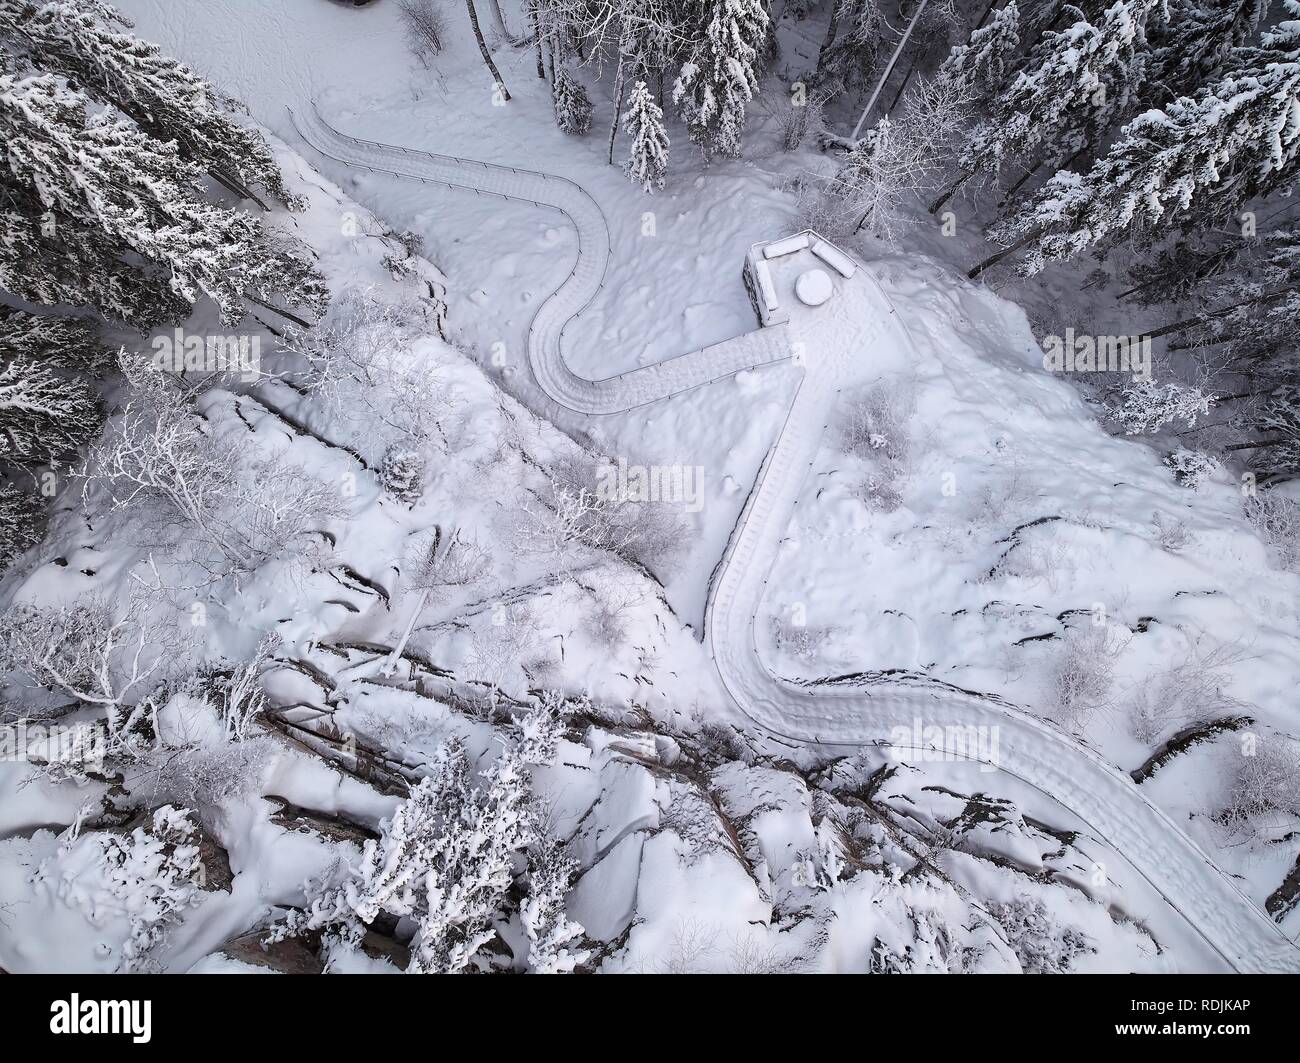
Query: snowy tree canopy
[[1076, 81], [84, 42], [721, 75], [1199, 158], [986, 58], [46, 409], [449, 855], [1198, 42], [643, 122], [102, 212]]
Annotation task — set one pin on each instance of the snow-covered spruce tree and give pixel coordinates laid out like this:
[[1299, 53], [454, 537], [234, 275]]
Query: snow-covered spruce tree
[[448, 858], [47, 410], [572, 104], [1076, 83], [20, 528], [1190, 165], [1196, 45], [401, 473], [552, 935], [1041, 944], [643, 122], [87, 191], [986, 59], [1278, 420], [851, 50], [1256, 309], [721, 75], [85, 43], [68, 261]]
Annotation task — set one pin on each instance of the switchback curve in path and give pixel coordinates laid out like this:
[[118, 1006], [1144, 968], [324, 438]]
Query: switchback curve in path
[[824, 341]]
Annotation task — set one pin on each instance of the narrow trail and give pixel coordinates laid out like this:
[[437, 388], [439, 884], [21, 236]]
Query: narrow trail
[[859, 320]]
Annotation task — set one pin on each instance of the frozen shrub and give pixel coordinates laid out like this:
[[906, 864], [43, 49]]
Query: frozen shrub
[[796, 116], [403, 262], [605, 625], [875, 429], [1277, 518], [875, 426], [205, 776], [798, 640], [1171, 532], [423, 26], [879, 491], [717, 743], [1145, 406], [240, 696], [145, 879], [159, 462], [1190, 467], [694, 948], [570, 510], [1264, 781], [497, 650], [1084, 672], [818, 209], [439, 560], [1041, 945], [279, 505], [92, 652], [363, 367], [401, 473], [1190, 690]]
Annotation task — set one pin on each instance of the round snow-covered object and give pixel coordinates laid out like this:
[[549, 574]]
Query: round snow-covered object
[[813, 287]]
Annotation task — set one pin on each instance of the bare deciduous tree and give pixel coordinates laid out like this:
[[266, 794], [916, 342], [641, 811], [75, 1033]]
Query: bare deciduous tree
[[896, 160], [569, 511], [424, 26], [92, 652], [361, 365]]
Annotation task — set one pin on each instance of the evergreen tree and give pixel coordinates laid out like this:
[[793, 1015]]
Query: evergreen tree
[[985, 60], [84, 44], [1192, 164], [721, 75], [447, 861], [850, 57], [47, 410], [20, 515], [643, 122], [572, 104], [53, 261], [1076, 83], [1197, 45], [98, 210], [547, 926]]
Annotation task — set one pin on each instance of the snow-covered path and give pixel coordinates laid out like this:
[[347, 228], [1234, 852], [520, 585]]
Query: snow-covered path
[[614, 394], [827, 338]]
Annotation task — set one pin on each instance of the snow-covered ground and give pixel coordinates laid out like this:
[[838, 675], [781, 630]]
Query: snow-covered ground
[[1003, 524]]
